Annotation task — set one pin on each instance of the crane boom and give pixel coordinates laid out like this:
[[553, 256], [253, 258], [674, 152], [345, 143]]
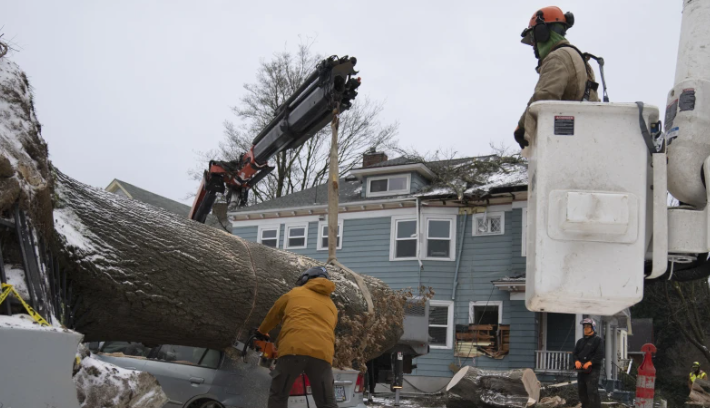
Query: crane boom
[[300, 117]]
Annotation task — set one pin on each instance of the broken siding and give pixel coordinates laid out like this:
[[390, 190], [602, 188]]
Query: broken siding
[[418, 182], [366, 248]]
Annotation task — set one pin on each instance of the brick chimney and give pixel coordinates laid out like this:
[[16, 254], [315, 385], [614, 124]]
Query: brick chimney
[[372, 157]]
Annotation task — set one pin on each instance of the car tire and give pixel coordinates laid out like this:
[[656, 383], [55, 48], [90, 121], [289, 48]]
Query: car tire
[[207, 404]]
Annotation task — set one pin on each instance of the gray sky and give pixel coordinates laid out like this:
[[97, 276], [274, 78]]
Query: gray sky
[[132, 89]]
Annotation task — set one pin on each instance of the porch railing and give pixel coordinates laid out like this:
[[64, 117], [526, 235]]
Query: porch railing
[[553, 361]]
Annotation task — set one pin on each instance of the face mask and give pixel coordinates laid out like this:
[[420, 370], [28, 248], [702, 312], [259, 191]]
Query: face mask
[[588, 331]]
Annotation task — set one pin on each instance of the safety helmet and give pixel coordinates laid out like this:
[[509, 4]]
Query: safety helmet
[[315, 272], [589, 321], [696, 364], [538, 29]]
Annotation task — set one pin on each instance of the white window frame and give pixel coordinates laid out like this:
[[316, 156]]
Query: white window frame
[[263, 228], [474, 226], [452, 236], [322, 224], [393, 237], [289, 227], [406, 190], [484, 303], [449, 320], [524, 236]]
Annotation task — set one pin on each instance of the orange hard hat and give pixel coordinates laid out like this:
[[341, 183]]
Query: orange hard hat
[[546, 15]]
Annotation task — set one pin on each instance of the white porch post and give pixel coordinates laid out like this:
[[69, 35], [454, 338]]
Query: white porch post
[[578, 329], [607, 352]]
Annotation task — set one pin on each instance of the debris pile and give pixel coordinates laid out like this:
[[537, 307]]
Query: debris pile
[[474, 387]]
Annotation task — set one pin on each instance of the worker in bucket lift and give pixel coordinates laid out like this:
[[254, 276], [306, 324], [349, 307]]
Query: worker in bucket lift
[[695, 374], [588, 355], [306, 342], [564, 72]]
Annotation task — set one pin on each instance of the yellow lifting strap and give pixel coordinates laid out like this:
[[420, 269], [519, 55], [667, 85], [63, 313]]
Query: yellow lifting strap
[[7, 289]]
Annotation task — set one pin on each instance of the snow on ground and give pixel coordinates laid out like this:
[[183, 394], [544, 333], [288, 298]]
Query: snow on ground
[[100, 384], [16, 277], [24, 321]]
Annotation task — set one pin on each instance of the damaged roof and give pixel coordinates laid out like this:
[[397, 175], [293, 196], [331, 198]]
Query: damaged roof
[[507, 177]]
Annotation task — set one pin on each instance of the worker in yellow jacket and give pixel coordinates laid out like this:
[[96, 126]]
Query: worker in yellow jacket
[[695, 374], [306, 343]]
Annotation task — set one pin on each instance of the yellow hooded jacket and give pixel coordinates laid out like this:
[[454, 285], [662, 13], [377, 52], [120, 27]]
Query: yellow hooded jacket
[[308, 318]]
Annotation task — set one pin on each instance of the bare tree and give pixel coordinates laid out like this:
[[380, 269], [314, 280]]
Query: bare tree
[[689, 303], [306, 166]]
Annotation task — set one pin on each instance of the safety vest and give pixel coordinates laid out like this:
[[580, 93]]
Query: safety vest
[[701, 375]]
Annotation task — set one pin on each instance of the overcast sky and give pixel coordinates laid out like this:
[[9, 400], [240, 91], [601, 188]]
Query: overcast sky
[[132, 89]]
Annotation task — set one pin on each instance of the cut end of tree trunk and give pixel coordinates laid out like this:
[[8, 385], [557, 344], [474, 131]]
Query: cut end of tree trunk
[[473, 387]]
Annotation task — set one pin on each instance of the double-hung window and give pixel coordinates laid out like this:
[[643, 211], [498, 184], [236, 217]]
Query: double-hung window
[[440, 233], [323, 236], [296, 236], [441, 324], [404, 239], [269, 236]]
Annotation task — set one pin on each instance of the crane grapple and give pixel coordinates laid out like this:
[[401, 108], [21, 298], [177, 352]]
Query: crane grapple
[[330, 88]]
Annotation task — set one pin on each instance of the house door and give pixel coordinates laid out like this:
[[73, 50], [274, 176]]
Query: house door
[[559, 332]]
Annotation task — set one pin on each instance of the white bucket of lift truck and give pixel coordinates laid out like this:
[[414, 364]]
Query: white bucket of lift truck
[[587, 204]]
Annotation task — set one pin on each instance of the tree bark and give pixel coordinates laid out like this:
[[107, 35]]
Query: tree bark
[[473, 387], [700, 392], [143, 274]]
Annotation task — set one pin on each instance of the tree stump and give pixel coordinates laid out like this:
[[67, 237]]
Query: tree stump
[[474, 387]]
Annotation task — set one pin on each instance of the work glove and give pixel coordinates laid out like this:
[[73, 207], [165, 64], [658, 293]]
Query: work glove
[[519, 134], [577, 365], [260, 336], [587, 365]]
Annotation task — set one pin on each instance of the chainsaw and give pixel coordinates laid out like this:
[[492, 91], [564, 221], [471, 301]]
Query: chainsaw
[[261, 343]]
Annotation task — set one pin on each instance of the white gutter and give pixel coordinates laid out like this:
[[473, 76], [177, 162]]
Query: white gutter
[[323, 206]]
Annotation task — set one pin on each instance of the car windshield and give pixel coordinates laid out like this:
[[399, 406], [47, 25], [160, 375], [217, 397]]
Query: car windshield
[[126, 348]]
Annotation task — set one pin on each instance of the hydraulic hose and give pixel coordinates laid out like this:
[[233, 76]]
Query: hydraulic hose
[[700, 269]]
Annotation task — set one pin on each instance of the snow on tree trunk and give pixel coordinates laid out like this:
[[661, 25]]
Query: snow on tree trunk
[[24, 166], [473, 387], [143, 274]]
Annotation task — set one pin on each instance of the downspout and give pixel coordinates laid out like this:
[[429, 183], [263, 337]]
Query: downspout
[[458, 257], [419, 242]]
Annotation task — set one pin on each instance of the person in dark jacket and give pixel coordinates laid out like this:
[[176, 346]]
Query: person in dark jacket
[[588, 356]]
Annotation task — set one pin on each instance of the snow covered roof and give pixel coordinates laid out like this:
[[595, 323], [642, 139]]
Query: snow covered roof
[[507, 176]]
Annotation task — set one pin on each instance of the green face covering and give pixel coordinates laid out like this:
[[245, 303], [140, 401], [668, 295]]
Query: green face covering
[[544, 48]]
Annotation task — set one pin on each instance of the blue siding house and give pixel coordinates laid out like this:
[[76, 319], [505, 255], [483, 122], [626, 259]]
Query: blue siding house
[[399, 222]]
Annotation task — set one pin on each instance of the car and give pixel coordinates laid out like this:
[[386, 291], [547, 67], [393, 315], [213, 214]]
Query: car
[[196, 377]]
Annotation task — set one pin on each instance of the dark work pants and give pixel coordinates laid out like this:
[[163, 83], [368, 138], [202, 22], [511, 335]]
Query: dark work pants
[[288, 370], [588, 386]]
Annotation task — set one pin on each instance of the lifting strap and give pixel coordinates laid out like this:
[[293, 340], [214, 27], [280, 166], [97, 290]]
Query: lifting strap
[[7, 289], [591, 85]]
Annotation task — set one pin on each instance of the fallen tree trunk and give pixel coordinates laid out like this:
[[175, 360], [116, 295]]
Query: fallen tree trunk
[[139, 273], [700, 392], [473, 387], [144, 274]]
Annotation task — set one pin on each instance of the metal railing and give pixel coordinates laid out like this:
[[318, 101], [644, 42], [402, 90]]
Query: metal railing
[[553, 361]]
